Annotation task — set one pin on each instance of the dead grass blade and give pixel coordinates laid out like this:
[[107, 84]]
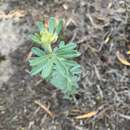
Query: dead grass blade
[[86, 115], [122, 59], [44, 108], [124, 116]]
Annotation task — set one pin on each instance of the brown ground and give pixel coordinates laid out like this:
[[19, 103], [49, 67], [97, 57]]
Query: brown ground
[[100, 28]]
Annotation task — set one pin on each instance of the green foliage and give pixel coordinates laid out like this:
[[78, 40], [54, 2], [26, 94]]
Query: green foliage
[[48, 35], [56, 66]]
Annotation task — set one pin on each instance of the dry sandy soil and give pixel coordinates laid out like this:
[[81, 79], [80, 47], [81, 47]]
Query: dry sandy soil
[[100, 28]]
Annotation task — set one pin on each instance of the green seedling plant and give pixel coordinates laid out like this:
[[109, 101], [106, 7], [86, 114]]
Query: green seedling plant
[[55, 65]]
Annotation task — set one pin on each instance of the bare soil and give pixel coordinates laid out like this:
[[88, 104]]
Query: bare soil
[[100, 28]]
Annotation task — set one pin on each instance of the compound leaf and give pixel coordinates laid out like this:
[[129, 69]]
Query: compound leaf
[[36, 70], [67, 51], [60, 67], [38, 60], [37, 51], [47, 69], [59, 27], [63, 84], [40, 26], [76, 69], [35, 39], [58, 80], [68, 54], [51, 24], [69, 46], [62, 44], [69, 63]]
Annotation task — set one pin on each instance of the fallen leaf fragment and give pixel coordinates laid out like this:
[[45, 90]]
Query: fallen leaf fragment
[[87, 115], [17, 13], [44, 108], [21, 129], [65, 6], [122, 59], [107, 38], [75, 110], [128, 52], [28, 56], [14, 13]]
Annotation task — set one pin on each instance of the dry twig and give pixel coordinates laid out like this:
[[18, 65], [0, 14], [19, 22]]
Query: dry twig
[[124, 116], [45, 108]]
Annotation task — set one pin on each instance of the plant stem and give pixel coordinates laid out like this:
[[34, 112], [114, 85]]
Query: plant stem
[[49, 48]]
